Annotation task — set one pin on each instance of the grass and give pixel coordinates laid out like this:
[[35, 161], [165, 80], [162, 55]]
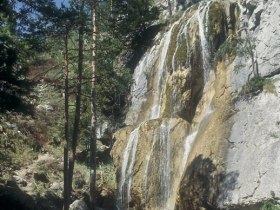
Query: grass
[[108, 176]]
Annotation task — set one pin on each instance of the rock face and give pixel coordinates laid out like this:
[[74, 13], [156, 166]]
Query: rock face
[[152, 163], [192, 141], [254, 139]]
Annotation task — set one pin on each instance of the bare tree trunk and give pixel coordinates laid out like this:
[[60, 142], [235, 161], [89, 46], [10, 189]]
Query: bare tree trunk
[[254, 62], [76, 125], [93, 112], [66, 193]]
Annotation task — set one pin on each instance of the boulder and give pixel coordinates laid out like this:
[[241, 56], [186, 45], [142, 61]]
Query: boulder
[[79, 205], [55, 186]]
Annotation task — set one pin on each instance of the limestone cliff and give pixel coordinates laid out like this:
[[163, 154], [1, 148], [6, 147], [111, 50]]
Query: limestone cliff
[[193, 141]]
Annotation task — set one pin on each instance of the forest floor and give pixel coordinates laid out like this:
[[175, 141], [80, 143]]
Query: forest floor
[[31, 153]]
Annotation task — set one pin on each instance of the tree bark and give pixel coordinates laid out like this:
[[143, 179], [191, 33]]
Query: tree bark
[[76, 125], [93, 112], [66, 192]]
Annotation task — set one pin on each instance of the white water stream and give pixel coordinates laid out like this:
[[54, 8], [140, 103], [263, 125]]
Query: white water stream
[[127, 169], [202, 16], [161, 75]]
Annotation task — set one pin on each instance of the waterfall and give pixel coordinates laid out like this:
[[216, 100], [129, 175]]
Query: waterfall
[[139, 88], [202, 16], [127, 169], [161, 73], [164, 164], [147, 95]]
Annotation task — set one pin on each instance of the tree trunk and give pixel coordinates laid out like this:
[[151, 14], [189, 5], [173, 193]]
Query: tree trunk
[[76, 125], [66, 193], [93, 112]]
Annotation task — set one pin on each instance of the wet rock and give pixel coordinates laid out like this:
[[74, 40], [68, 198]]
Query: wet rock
[[154, 144]]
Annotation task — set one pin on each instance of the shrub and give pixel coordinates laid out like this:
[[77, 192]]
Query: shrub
[[253, 87], [270, 205]]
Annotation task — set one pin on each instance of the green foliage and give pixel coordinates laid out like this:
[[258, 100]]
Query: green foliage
[[236, 46], [21, 38], [269, 205], [133, 16], [228, 48], [258, 84], [108, 175], [253, 87]]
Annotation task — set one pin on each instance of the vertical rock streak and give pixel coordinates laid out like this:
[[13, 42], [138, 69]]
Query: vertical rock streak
[[127, 168]]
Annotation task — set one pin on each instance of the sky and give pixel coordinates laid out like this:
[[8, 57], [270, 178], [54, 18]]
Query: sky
[[58, 2]]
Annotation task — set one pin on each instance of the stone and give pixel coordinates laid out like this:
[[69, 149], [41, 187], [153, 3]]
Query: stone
[[45, 107], [20, 180], [55, 186], [79, 205]]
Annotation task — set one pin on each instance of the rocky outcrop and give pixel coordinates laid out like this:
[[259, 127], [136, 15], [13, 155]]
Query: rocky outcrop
[[152, 164], [253, 152], [254, 139]]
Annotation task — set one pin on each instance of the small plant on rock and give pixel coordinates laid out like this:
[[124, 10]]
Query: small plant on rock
[[269, 205]]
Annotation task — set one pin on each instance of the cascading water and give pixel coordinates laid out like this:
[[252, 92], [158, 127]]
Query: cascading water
[[150, 83], [202, 16], [164, 164], [161, 74], [127, 169], [140, 86]]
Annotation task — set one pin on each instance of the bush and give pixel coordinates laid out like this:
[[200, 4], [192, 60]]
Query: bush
[[270, 205], [253, 87], [258, 84]]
